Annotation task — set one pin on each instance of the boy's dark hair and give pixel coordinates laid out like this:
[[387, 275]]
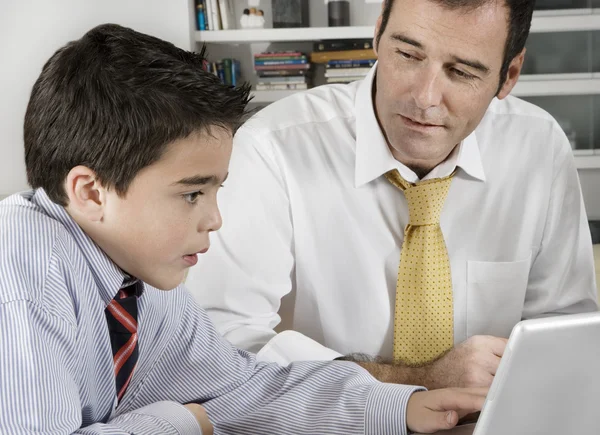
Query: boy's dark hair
[[521, 12], [112, 101]]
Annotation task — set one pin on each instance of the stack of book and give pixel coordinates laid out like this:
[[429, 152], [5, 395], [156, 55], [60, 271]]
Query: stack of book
[[282, 70], [345, 61], [214, 15], [228, 70]]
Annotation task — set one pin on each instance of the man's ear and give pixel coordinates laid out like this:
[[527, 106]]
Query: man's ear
[[514, 71], [87, 196]]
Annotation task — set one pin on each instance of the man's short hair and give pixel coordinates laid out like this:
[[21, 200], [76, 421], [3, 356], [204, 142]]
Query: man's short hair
[[113, 100], [521, 12]]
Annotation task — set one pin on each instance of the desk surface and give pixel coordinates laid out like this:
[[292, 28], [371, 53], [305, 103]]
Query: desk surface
[[466, 429]]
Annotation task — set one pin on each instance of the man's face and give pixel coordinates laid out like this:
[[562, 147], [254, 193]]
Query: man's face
[[438, 70], [156, 230]]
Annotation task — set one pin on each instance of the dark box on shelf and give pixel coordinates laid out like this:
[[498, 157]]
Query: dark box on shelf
[[290, 13]]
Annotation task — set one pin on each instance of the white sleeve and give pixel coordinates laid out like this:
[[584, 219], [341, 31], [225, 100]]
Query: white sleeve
[[249, 268], [561, 280]]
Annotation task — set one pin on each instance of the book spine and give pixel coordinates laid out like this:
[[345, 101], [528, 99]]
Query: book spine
[[224, 11], [280, 62], [216, 19], [228, 71], [209, 15], [280, 54]]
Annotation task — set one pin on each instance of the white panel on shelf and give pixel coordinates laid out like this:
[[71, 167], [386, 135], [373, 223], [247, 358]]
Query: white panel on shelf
[[531, 88], [588, 162], [544, 23]]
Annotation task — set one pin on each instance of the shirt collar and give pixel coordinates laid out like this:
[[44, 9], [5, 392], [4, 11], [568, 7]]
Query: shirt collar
[[107, 275], [374, 158]]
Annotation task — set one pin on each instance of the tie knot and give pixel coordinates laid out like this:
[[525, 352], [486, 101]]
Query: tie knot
[[425, 199]]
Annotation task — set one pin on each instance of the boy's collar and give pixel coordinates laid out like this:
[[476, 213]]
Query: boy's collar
[[107, 275]]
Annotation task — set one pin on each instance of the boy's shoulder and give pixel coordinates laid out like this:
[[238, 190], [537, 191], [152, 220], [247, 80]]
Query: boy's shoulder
[[32, 244]]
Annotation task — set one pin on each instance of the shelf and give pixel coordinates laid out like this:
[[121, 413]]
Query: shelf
[[529, 87], [544, 21], [588, 162], [248, 36]]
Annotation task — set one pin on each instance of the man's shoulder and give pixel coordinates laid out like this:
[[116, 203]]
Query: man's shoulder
[[519, 111], [523, 134], [28, 246], [304, 109]]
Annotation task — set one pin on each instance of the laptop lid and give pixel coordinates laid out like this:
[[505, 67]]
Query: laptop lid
[[548, 381]]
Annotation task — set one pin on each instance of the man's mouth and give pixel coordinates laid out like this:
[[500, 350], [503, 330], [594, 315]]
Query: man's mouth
[[420, 123]]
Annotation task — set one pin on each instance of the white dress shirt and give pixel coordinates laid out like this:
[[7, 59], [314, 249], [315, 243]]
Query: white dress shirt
[[309, 217]]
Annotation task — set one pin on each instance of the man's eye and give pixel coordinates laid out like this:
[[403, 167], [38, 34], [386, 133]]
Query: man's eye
[[462, 74], [191, 198], [405, 55]]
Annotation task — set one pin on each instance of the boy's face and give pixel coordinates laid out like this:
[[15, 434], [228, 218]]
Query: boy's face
[[157, 229]]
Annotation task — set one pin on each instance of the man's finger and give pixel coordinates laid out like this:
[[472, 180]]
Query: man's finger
[[497, 345]]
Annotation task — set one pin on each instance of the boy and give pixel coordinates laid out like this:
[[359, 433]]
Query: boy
[[127, 141]]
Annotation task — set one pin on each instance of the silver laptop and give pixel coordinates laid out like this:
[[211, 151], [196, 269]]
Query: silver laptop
[[548, 381]]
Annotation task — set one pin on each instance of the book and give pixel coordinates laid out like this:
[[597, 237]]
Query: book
[[216, 17], [224, 13], [281, 67], [280, 62], [326, 56], [284, 79], [209, 15], [338, 45], [277, 59], [355, 63], [279, 54], [281, 73], [341, 72], [348, 79]]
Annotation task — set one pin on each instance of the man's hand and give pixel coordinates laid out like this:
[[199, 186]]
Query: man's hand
[[431, 411], [202, 418], [473, 363]]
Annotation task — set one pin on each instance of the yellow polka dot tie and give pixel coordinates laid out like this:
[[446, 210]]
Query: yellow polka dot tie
[[424, 313]]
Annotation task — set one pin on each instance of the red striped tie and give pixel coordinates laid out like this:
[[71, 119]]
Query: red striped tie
[[121, 315]]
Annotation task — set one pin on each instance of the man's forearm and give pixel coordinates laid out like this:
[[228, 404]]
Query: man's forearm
[[392, 373]]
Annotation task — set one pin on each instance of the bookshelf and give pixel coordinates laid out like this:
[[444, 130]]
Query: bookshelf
[[543, 22], [243, 43]]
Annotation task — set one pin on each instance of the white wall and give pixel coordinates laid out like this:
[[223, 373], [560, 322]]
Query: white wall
[[32, 30]]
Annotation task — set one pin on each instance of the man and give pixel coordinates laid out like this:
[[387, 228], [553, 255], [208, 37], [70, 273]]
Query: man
[[417, 215]]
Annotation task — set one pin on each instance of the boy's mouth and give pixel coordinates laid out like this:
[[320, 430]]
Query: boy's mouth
[[192, 259]]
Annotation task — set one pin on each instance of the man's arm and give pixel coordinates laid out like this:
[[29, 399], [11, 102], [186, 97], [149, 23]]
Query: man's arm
[[39, 390], [470, 364], [561, 280], [241, 281]]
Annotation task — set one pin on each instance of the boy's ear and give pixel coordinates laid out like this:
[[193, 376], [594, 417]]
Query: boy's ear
[[87, 196]]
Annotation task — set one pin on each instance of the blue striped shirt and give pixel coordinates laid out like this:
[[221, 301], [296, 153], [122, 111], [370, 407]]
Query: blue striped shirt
[[57, 374]]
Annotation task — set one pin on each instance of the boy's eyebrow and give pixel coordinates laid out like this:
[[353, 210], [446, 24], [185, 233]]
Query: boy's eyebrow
[[201, 180], [468, 62]]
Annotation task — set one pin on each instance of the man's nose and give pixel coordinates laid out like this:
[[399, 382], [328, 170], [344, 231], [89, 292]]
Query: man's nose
[[427, 89]]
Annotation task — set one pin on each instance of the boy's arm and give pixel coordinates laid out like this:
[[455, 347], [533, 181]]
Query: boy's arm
[[245, 397], [38, 382]]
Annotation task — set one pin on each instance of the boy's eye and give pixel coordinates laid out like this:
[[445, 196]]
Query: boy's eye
[[191, 198]]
